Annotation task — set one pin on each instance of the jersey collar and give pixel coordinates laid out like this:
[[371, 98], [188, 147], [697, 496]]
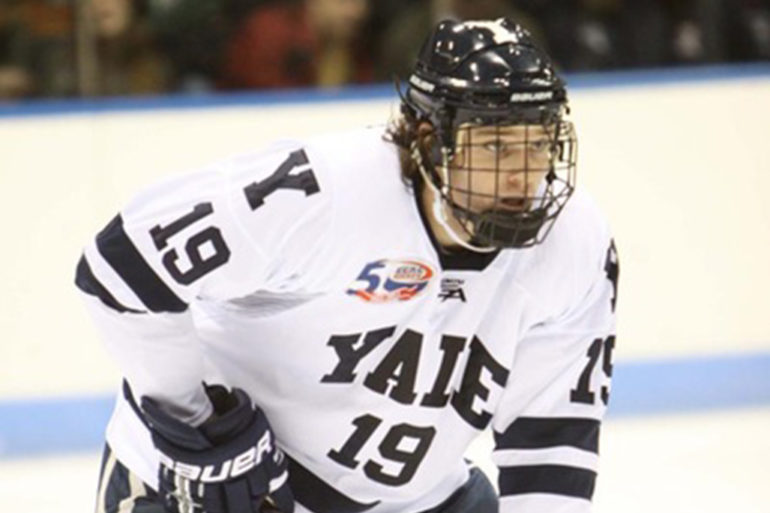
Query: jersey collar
[[455, 260]]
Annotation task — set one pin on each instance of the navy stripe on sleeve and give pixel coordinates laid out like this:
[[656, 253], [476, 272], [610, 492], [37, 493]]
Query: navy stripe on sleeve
[[118, 250], [88, 283], [543, 432], [555, 479]]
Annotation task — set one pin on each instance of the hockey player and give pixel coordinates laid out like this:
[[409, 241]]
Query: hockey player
[[380, 296]]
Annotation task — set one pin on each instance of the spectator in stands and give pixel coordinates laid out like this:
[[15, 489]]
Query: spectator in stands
[[36, 50], [192, 33], [643, 33], [748, 30], [697, 30], [581, 34], [127, 59], [301, 43], [671, 32], [15, 82], [709, 31], [16, 79]]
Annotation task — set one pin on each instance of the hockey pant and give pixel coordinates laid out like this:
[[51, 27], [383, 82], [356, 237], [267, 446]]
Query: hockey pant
[[121, 491]]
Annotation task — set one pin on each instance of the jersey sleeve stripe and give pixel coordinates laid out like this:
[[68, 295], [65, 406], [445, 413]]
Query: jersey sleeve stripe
[[555, 479], [542, 432], [118, 250], [111, 280], [569, 456], [88, 283]]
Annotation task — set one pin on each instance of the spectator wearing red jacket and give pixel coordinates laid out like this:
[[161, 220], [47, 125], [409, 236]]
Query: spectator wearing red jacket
[[304, 43]]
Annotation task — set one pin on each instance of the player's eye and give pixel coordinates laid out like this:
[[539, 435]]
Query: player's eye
[[496, 146], [539, 145]]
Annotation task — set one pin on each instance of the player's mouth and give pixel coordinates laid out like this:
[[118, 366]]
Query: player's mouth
[[512, 203]]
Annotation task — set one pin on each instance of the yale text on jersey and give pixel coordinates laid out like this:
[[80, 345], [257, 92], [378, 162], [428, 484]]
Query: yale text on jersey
[[395, 375]]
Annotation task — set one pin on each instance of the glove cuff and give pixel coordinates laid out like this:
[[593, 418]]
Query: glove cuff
[[233, 414]]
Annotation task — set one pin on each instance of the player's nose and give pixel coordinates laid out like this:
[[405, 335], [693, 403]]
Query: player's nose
[[515, 180]]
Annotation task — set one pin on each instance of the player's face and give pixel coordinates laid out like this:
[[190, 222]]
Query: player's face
[[499, 167]]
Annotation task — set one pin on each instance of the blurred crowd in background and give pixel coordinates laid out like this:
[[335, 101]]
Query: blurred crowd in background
[[85, 48]]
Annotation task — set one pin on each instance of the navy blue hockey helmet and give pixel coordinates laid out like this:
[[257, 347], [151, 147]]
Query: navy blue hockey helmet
[[491, 73]]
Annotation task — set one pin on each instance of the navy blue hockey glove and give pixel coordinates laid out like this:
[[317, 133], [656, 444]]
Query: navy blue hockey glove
[[230, 464]]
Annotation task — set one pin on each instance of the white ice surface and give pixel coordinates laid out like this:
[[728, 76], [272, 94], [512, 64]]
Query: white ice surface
[[699, 463]]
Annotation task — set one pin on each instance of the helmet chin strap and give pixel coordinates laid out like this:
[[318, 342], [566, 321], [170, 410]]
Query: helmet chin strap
[[438, 207]]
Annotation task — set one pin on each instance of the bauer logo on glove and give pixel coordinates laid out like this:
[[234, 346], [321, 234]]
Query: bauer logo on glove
[[233, 467], [228, 464]]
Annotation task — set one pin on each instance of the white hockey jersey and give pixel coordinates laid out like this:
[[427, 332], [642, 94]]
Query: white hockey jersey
[[306, 276]]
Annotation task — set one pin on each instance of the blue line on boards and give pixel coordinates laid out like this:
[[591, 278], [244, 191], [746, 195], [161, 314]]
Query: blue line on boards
[[37, 427], [278, 97]]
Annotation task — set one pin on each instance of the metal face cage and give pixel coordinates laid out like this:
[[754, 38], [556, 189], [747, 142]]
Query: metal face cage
[[506, 183]]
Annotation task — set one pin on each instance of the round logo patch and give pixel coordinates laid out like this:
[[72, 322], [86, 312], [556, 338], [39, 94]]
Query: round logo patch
[[391, 280]]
